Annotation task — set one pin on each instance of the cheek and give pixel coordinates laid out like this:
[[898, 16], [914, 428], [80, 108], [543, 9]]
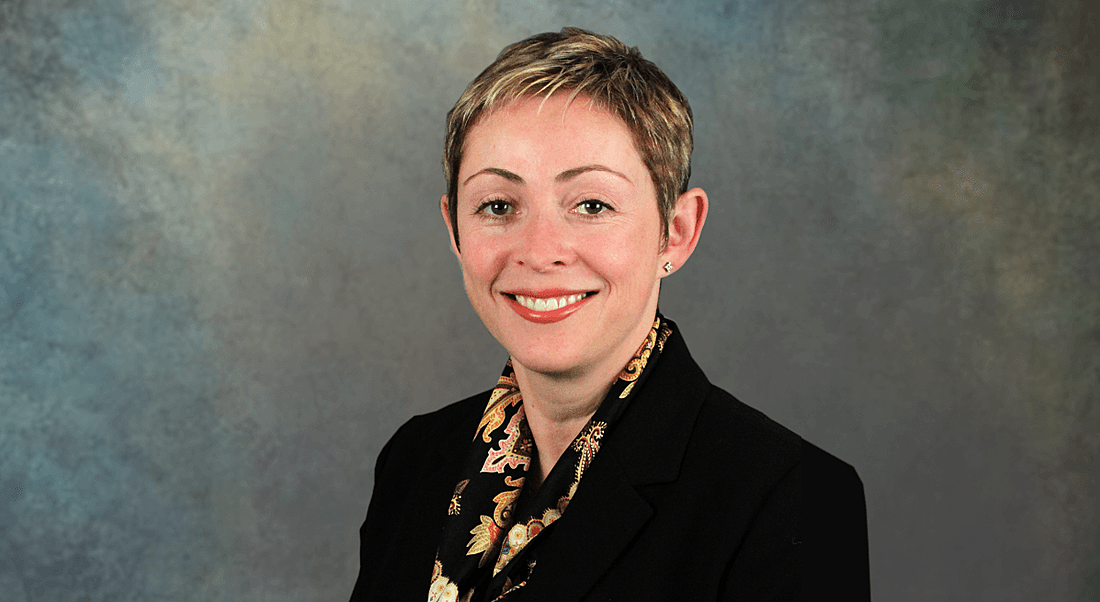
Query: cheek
[[625, 260], [481, 262]]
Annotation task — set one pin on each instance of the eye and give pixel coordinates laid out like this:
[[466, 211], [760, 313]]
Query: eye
[[495, 208], [592, 207]]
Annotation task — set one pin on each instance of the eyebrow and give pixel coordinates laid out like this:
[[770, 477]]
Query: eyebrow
[[564, 176], [569, 174], [504, 173]]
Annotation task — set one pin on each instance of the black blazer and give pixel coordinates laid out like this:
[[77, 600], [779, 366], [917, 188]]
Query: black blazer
[[693, 496]]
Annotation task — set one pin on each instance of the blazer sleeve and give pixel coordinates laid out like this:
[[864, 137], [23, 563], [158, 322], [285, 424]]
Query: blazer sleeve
[[809, 539], [835, 559]]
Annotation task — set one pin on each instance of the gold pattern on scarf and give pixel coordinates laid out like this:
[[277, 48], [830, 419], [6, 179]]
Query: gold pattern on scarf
[[443, 589], [456, 498], [587, 444], [487, 534], [635, 366], [515, 449], [663, 336], [505, 394]]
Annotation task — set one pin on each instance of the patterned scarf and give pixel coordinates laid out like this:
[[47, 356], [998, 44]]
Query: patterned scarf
[[499, 558]]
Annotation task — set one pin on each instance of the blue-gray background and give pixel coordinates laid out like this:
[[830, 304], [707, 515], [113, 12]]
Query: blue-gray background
[[224, 281]]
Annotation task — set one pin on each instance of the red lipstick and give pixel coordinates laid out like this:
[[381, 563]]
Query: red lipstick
[[549, 316]]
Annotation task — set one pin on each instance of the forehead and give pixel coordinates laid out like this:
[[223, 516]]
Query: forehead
[[556, 130]]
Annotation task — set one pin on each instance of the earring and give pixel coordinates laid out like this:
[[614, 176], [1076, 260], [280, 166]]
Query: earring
[[668, 267]]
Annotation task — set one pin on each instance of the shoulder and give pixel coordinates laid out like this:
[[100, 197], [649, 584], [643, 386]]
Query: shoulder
[[807, 506], [742, 438], [739, 451], [426, 434], [800, 493], [739, 429], [446, 418]]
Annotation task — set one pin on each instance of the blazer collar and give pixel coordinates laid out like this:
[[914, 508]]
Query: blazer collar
[[651, 437]]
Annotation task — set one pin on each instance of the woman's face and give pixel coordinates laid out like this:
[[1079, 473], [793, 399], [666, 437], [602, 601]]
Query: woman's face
[[560, 234]]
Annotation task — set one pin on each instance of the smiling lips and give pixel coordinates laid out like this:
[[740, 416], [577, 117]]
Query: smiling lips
[[548, 307]]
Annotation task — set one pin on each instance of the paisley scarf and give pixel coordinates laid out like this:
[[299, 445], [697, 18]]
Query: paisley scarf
[[486, 550]]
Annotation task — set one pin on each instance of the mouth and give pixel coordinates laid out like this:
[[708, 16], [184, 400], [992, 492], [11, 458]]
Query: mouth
[[549, 306], [548, 303]]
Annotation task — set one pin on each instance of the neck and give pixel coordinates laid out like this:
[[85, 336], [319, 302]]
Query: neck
[[558, 406], [557, 410]]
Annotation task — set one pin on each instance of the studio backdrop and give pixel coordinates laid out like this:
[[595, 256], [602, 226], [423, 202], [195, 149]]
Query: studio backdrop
[[225, 282]]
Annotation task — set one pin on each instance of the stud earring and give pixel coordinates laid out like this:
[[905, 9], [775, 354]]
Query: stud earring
[[668, 267]]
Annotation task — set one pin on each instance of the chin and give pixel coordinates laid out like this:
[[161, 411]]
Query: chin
[[551, 357], [544, 361], [550, 366]]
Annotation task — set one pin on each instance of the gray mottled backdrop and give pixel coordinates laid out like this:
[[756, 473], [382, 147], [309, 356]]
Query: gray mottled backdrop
[[224, 281]]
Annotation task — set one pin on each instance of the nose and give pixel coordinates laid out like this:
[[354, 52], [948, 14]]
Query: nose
[[545, 243]]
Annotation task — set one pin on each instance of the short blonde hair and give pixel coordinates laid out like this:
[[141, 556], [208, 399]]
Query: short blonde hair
[[601, 68]]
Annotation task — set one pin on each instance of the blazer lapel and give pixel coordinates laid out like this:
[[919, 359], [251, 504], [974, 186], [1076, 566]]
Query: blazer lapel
[[646, 446], [652, 435], [603, 517]]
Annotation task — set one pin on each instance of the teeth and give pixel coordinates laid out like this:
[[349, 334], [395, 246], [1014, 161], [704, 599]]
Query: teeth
[[537, 304]]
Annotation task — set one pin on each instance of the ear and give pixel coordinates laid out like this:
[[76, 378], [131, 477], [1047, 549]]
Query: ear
[[684, 228], [445, 209]]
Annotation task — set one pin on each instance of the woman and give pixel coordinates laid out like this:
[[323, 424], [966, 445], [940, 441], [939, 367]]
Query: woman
[[603, 465]]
